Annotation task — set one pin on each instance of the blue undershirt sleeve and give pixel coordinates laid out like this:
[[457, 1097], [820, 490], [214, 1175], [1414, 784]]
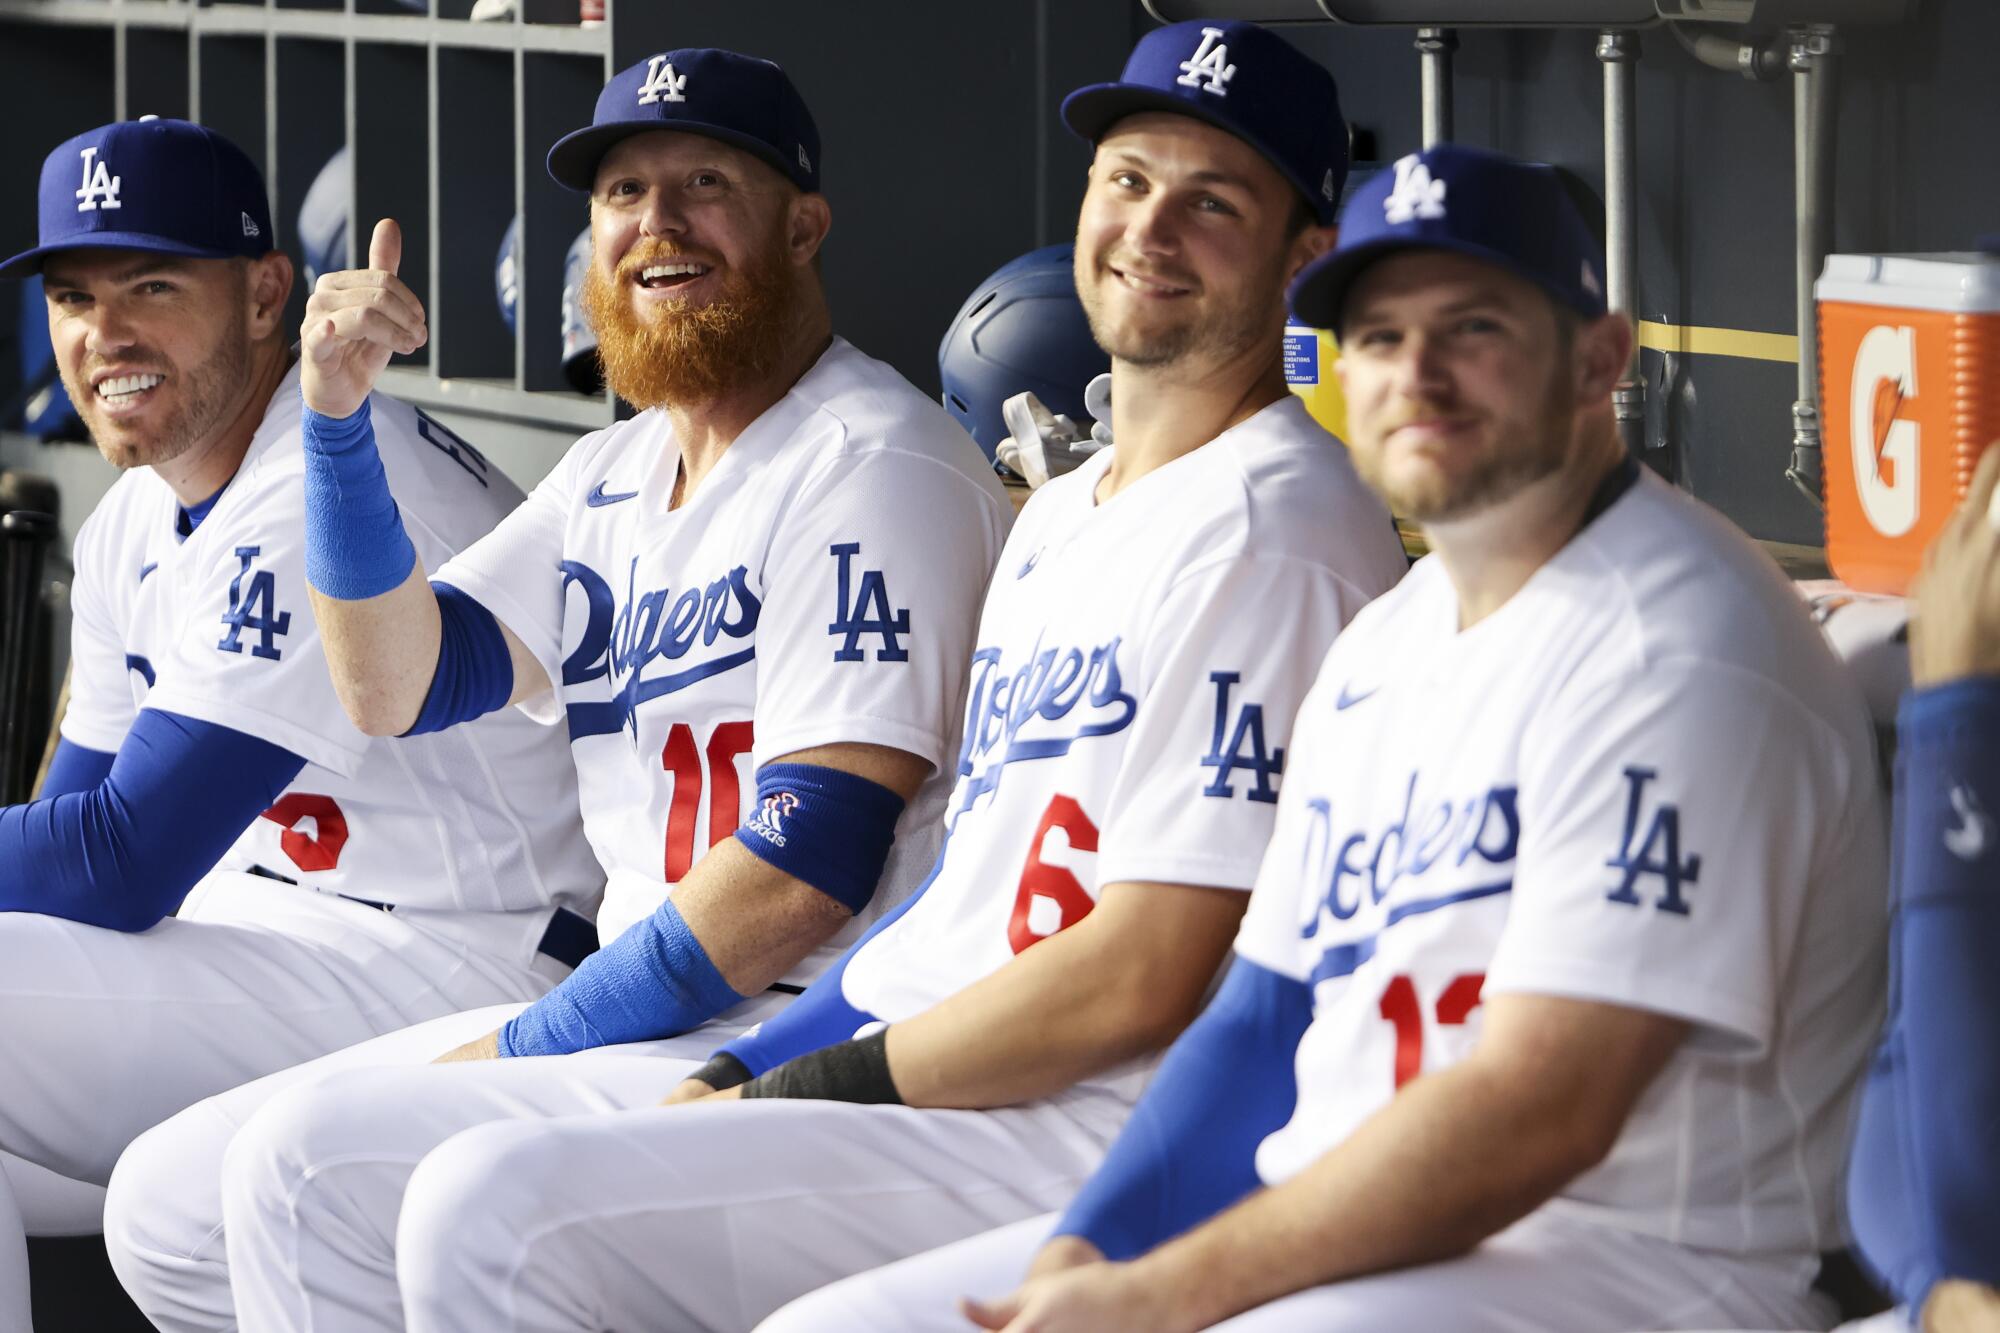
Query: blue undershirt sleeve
[[123, 854], [1937, 1087], [75, 768], [1190, 1149]]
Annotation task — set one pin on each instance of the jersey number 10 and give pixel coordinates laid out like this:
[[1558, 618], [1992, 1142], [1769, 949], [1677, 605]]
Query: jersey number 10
[[725, 797]]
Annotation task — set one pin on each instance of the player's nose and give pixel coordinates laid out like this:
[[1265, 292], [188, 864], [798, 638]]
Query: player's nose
[[108, 330], [664, 214]]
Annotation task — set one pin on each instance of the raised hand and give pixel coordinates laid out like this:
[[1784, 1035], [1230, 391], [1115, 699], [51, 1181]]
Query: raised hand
[[355, 321], [1957, 628]]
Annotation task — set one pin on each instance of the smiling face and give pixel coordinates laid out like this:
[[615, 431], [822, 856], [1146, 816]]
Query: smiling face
[[1185, 242], [701, 259], [1462, 383], [155, 350]]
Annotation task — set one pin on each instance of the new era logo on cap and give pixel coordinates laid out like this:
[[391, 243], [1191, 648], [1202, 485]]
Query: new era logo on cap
[[168, 186], [1514, 215]]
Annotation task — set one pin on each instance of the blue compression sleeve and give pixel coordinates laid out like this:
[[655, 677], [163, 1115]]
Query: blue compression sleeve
[[75, 768], [1934, 1101], [474, 675], [355, 543], [123, 854], [1189, 1151], [824, 827], [653, 981]]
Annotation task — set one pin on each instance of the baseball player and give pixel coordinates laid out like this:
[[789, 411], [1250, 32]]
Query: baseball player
[[328, 887], [1154, 622], [750, 608], [1566, 955], [1922, 1187]]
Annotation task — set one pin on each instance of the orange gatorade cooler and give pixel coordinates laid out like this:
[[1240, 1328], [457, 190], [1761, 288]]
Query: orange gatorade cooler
[[1909, 360]]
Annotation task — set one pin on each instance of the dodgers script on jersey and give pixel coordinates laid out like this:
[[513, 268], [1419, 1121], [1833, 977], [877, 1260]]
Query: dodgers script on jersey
[[1643, 781], [1140, 663], [215, 626], [815, 589]]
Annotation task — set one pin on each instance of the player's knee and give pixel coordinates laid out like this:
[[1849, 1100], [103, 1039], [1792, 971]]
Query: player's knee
[[469, 1204], [275, 1151], [149, 1231]]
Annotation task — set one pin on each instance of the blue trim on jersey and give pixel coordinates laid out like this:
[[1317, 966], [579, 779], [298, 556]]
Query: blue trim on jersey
[[824, 827], [822, 1016], [188, 519], [1924, 1192], [356, 546], [1344, 960], [75, 768], [653, 981], [474, 674], [124, 853], [1190, 1149]]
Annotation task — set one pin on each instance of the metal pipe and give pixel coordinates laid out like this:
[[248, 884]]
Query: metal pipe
[[1618, 50], [1758, 63], [1436, 45], [1813, 58]]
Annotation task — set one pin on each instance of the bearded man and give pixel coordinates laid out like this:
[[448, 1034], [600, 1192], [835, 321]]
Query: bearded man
[[752, 606]]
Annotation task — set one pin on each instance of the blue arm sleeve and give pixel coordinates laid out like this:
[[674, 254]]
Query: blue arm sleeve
[[356, 546], [474, 675], [1189, 1151], [124, 853], [653, 981], [1933, 1105], [75, 768]]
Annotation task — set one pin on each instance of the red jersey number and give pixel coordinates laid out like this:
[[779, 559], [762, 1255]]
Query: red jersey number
[[725, 797], [1053, 884]]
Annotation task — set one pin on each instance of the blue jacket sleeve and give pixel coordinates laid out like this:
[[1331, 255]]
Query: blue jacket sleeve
[[1933, 1104], [1190, 1149], [75, 768], [123, 853]]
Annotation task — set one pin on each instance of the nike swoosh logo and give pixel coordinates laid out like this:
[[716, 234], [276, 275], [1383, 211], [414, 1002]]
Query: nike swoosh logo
[[1347, 701], [597, 499], [1028, 565], [147, 569]]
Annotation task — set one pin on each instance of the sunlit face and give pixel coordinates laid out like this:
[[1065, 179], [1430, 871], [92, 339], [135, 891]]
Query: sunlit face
[[697, 266], [153, 349], [1184, 243], [1459, 381]]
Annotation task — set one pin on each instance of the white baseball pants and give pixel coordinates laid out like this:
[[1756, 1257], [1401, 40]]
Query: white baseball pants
[[1548, 1273], [103, 1034], [164, 1224], [375, 1200]]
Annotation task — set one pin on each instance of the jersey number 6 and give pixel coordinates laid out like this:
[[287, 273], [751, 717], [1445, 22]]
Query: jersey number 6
[[725, 797], [1051, 898]]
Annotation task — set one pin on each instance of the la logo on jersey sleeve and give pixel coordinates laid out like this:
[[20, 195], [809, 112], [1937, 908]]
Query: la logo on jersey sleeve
[[1657, 855], [867, 611], [253, 609]]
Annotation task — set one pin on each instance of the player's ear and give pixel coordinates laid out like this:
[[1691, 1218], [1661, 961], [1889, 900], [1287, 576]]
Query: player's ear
[[1603, 348], [269, 284], [1309, 244], [807, 222]]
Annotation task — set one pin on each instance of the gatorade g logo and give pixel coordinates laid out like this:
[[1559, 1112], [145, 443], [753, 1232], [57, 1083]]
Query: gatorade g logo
[[1885, 443]]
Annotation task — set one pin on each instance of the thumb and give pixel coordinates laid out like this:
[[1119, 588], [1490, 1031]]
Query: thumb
[[990, 1314], [1979, 498], [385, 247]]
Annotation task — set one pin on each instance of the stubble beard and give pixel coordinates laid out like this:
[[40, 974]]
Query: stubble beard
[[1522, 455], [1237, 324], [210, 388], [693, 355]]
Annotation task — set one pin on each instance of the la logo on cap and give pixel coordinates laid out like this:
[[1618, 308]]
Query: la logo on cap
[[1208, 68], [662, 84], [100, 188], [1416, 195]]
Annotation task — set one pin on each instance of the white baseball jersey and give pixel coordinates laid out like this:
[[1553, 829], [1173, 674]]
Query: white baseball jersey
[[1643, 781], [818, 587], [1140, 663], [216, 626]]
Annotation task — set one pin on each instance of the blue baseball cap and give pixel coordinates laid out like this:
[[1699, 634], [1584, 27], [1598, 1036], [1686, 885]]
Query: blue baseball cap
[[1513, 214], [169, 186], [1240, 78], [738, 99]]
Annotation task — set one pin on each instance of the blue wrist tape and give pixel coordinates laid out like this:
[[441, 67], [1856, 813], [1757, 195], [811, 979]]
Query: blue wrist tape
[[355, 543], [824, 827], [653, 981], [474, 675]]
